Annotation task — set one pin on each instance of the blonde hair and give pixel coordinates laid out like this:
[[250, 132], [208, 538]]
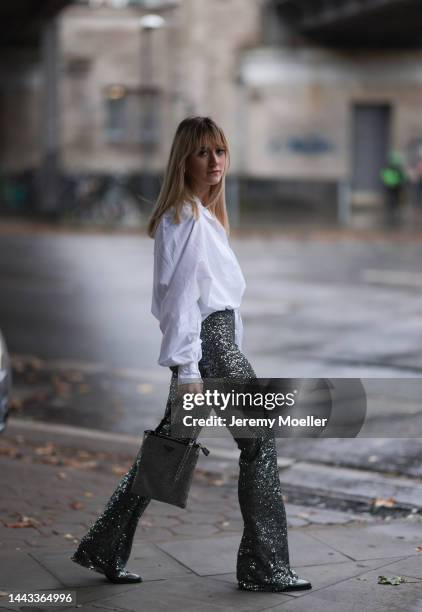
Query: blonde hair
[[191, 134]]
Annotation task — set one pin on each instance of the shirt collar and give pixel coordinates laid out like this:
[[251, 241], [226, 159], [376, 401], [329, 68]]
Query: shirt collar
[[204, 208]]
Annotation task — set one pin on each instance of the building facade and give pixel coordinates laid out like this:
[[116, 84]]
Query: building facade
[[304, 120]]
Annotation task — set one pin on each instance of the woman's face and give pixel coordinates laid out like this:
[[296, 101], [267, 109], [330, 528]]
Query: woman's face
[[205, 166]]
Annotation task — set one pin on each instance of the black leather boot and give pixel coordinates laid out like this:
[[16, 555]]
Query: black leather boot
[[123, 576], [296, 585]]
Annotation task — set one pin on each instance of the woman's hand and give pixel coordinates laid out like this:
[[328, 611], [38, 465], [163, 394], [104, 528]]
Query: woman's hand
[[193, 387]]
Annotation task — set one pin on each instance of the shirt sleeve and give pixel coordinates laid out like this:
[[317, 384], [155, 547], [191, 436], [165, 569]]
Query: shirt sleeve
[[238, 329], [180, 268]]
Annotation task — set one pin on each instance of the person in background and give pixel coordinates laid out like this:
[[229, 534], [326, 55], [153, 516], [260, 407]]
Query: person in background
[[393, 178]]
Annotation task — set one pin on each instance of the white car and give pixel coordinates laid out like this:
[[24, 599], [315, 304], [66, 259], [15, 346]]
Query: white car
[[5, 383]]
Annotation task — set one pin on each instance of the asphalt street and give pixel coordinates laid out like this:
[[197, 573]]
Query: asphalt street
[[75, 311]]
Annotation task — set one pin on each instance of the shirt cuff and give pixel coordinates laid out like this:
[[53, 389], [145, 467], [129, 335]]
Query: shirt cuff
[[188, 373]]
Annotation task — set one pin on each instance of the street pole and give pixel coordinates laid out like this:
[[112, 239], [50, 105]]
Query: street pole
[[49, 171], [344, 202], [148, 24]]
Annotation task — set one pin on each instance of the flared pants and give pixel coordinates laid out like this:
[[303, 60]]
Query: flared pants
[[263, 556]]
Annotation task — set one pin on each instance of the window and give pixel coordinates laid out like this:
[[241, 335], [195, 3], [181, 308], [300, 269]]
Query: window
[[133, 116]]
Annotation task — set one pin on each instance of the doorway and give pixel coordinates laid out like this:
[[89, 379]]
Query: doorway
[[370, 145]]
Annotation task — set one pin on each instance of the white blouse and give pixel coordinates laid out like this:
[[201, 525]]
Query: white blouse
[[195, 273]]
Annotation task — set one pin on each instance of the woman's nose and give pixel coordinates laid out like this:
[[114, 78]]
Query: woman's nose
[[213, 160]]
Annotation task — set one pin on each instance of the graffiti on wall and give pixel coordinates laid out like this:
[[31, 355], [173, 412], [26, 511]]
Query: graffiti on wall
[[311, 143]]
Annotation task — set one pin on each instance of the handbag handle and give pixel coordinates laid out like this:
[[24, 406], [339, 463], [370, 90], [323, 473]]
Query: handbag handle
[[189, 447]]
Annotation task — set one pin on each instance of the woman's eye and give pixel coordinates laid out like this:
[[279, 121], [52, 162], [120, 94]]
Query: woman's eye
[[221, 151]]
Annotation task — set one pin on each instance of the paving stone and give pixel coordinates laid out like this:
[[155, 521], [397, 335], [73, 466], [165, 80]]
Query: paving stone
[[306, 550], [205, 556], [89, 595], [371, 541], [66, 572], [158, 522], [195, 530], [156, 508], [146, 559], [190, 594], [218, 554], [324, 516], [361, 593], [411, 566], [154, 564], [200, 518], [150, 534], [34, 577], [324, 574], [86, 598], [11, 544]]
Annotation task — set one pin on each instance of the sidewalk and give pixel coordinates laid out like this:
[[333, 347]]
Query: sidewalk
[[54, 482], [15, 225]]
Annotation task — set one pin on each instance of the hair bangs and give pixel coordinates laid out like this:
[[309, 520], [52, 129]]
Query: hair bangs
[[208, 135]]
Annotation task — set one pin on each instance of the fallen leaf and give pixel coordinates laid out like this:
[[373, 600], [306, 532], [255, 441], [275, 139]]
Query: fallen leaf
[[25, 521], [80, 465], [35, 363], [373, 458], [62, 475], [144, 388], [76, 505], [68, 536], [51, 460], [48, 449], [16, 404], [118, 470], [10, 451], [394, 580], [380, 502]]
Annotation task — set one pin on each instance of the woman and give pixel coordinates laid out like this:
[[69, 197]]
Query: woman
[[198, 287]]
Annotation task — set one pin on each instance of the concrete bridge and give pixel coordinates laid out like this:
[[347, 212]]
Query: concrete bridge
[[355, 23]]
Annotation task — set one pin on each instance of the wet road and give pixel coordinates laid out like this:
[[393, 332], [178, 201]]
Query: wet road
[[87, 298], [80, 303]]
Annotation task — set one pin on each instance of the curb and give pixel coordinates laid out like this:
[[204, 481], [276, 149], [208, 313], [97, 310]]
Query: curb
[[91, 440]]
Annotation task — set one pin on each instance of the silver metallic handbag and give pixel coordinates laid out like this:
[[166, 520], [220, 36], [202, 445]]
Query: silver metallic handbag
[[165, 469]]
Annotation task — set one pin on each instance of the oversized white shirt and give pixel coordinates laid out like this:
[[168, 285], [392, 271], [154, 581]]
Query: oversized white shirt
[[195, 273]]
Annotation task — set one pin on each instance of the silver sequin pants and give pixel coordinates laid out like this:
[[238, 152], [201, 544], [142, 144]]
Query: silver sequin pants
[[263, 556]]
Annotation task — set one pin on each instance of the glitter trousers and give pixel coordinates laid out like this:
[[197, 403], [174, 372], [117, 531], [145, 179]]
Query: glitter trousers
[[263, 556]]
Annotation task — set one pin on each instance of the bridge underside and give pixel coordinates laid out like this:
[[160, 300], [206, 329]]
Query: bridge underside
[[21, 21], [355, 23]]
